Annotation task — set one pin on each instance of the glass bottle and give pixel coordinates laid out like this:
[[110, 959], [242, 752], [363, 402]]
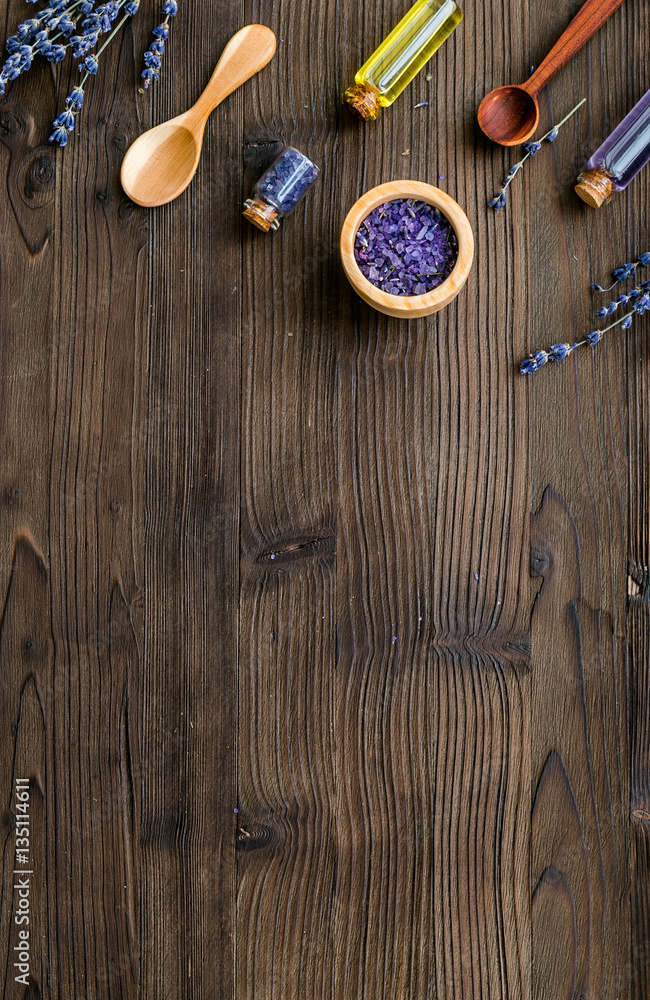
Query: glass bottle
[[401, 56], [620, 157], [280, 188]]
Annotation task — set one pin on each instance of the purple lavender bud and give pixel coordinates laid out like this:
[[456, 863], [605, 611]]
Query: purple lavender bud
[[75, 98], [552, 135], [55, 53], [92, 23], [627, 323], [528, 366], [157, 47], [540, 358], [532, 148], [13, 44], [594, 337], [644, 259], [132, 7], [151, 59], [161, 31], [65, 119], [59, 135], [559, 352], [149, 75], [90, 64], [170, 7]]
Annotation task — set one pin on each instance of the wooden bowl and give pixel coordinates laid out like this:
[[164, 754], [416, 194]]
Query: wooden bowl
[[408, 306]]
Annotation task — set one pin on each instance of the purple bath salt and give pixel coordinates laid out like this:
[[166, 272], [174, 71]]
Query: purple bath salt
[[279, 190], [406, 247]]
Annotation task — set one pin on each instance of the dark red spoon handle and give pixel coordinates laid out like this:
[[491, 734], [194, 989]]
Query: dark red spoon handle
[[591, 16]]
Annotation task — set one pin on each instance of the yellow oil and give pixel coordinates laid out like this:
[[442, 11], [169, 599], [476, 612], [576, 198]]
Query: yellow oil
[[409, 47]]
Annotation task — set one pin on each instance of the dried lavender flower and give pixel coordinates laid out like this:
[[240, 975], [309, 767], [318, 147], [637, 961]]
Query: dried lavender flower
[[153, 55], [532, 148], [623, 273], [75, 27], [640, 299]]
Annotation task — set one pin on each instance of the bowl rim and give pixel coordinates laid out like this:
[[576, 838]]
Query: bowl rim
[[408, 305]]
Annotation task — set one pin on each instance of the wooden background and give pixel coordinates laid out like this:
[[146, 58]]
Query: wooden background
[[325, 641]]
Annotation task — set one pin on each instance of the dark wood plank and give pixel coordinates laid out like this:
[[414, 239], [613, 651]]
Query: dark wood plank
[[190, 397], [384, 848], [638, 616], [287, 855], [136, 829], [579, 445]]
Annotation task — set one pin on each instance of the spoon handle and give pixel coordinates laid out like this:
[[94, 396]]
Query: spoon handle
[[591, 16], [247, 52]]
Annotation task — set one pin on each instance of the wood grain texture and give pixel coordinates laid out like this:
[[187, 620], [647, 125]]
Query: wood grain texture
[[323, 635], [190, 391], [581, 444]]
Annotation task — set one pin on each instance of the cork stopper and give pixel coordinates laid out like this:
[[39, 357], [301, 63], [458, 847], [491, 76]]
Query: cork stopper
[[595, 187], [363, 102], [261, 214]]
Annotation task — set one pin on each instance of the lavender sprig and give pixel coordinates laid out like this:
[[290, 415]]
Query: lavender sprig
[[99, 21], [75, 27], [640, 298], [153, 55], [625, 272], [532, 148]]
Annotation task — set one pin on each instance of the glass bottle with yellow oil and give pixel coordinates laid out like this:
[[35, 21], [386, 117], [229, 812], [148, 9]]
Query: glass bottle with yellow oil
[[401, 56]]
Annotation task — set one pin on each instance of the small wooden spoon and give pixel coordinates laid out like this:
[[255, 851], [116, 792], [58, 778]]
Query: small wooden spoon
[[162, 162], [509, 115]]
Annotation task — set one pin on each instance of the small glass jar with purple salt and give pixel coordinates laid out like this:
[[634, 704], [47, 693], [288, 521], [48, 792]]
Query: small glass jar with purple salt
[[279, 190]]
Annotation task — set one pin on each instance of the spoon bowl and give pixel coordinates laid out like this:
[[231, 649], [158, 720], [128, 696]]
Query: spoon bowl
[[161, 163], [169, 154], [508, 115]]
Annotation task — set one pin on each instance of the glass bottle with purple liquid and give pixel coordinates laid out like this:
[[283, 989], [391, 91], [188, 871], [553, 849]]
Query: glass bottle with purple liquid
[[619, 159]]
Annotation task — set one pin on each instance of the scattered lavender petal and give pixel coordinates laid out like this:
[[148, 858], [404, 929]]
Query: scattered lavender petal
[[406, 247]]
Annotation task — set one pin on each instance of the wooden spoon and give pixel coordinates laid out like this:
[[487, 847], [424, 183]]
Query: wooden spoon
[[509, 115], [162, 162]]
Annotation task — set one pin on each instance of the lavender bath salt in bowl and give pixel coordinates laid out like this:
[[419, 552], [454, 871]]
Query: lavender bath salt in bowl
[[407, 248]]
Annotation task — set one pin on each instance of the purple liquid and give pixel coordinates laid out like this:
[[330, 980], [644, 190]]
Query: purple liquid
[[627, 149]]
